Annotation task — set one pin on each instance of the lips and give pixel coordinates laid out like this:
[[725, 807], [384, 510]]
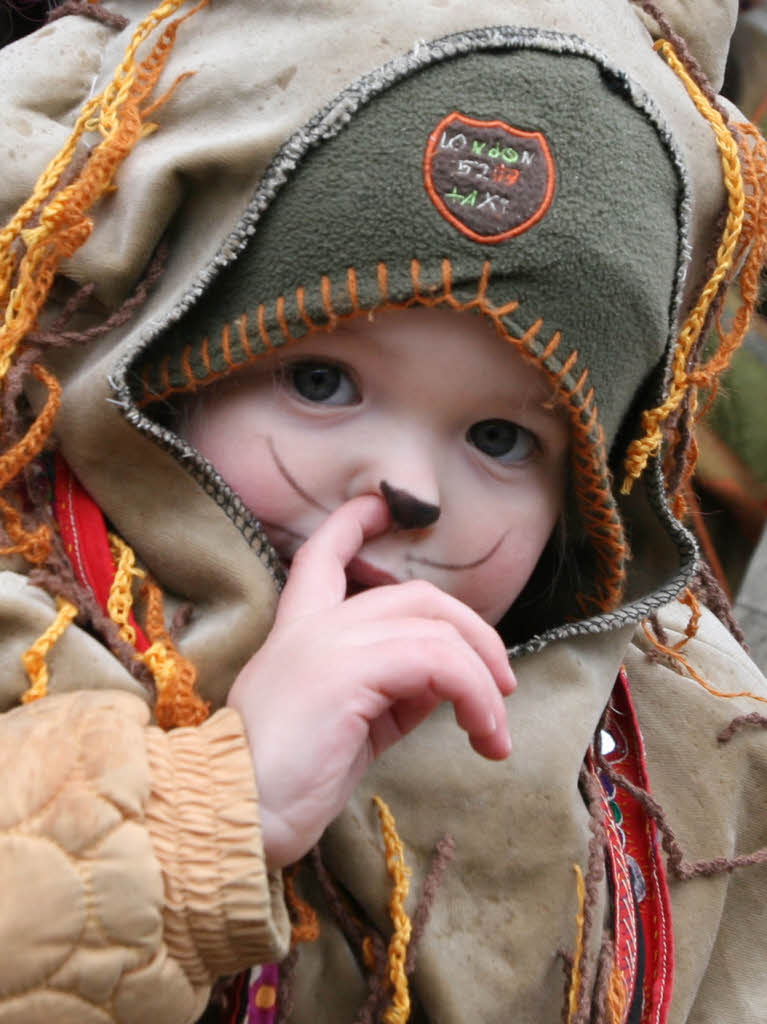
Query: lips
[[361, 575]]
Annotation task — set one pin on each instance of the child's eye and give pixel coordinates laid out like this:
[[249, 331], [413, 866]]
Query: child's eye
[[323, 383], [502, 440]]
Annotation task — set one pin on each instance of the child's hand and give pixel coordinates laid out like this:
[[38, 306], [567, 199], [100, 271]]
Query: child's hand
[[338, 681]]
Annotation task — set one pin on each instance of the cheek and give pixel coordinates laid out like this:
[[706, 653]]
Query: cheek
[[494, 587], [234, 435], [526, 525]]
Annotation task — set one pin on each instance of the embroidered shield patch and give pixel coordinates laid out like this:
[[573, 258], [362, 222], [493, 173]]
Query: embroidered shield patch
[[488, 179]]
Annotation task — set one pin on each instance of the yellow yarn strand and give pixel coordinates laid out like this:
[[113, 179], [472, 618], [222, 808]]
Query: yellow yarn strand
[[161, 664], [178, 702], [580, 924], [617, 997], [34, 659], [120, 600], [175, 677], [642, 449], [399, 1011]]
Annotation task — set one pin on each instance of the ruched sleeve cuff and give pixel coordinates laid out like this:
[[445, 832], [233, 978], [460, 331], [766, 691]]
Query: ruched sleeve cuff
[[223, 911]]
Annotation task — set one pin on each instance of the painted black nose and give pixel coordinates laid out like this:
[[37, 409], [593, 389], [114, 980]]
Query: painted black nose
[[408, 512]]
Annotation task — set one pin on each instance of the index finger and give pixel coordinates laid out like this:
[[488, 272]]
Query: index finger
[[317, 578]]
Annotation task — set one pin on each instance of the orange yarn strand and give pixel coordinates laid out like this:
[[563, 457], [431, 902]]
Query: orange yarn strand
[[175, 676], [306, 926], [34, 545], [34, 659], [676, 656], [617, 997], [691, 628], [642, 449], [754, 240], [50, 226], [399, 1010]]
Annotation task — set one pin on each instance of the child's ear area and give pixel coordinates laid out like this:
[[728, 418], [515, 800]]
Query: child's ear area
[[547, 597]]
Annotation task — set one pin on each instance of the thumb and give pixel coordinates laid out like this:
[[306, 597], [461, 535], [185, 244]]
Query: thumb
[[317, 578]]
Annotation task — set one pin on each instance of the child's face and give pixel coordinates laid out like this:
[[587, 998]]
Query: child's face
[[432, 402]]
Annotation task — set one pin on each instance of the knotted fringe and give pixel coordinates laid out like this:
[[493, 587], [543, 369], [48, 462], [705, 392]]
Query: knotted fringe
[[49, 228], [741, 251], [744, 170]]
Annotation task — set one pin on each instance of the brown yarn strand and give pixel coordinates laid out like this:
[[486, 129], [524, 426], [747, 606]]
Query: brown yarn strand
[[678, 866], [89, 9], [442, 857], [350, 925], [56, 577], [286, 988], [56, 337], [653, 654], [358, 938], [594, 876], [567, 968], [182, 616], [706, 586], [682, 50], [14, 423], [366, 941], [740, 723]]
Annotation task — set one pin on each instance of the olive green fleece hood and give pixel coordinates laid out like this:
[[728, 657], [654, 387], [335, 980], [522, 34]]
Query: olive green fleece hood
[[514, 172]]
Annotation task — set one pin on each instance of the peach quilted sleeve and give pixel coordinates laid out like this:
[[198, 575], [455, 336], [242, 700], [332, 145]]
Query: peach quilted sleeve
[[131, 869]]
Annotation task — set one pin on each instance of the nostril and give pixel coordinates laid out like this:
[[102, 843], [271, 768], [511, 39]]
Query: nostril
[[408, 511]]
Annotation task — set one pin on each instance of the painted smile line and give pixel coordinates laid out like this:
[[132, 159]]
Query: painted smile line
[[413, 559], [458, 566]]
